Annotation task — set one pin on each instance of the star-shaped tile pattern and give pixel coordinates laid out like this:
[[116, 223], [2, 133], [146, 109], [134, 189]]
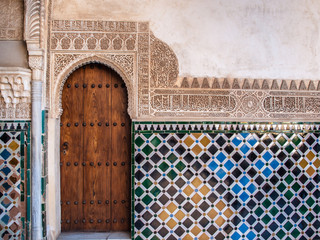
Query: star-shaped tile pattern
[[10, 180], [226, 185]]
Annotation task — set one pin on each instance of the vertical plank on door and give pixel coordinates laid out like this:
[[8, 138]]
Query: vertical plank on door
[[71, 142], [120, 183], [96, 149]]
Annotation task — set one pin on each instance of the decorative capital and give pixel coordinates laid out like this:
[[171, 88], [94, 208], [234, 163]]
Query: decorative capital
[[36, 62]]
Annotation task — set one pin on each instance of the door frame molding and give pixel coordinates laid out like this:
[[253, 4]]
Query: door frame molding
[[84, 60], [54, 186]]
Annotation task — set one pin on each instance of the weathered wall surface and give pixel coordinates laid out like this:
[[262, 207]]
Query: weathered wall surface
[[260, 39]]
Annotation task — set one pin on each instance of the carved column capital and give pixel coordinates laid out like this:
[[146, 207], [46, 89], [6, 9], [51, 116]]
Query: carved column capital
[[36, 62]]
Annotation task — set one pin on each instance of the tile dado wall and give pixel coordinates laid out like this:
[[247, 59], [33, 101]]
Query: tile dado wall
[[14, 173], [226, 181]]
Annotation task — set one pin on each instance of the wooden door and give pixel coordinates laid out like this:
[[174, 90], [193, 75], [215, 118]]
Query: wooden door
[[95, 152]]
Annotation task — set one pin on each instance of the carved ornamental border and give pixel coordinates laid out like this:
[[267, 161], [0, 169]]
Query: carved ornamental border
[[150, 70]]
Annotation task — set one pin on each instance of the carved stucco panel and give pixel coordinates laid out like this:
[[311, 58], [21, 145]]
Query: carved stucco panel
[[11, 20], [15, 93], [156, 91], [163, 64]]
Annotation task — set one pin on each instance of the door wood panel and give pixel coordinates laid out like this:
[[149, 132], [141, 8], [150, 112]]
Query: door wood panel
[[95, 152]]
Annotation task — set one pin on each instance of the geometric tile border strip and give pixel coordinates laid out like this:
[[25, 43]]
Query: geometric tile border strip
[[14, 126], [224, 126], [10, 182], [226, 185]]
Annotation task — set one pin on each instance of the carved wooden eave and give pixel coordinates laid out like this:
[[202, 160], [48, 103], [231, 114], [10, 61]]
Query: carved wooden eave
[[150, 70]]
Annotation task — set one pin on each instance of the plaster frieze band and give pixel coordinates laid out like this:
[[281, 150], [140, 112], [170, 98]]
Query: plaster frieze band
[[156, 91], [233, 99]]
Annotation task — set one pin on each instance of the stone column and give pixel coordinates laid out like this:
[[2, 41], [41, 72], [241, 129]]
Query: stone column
[[36, 147]]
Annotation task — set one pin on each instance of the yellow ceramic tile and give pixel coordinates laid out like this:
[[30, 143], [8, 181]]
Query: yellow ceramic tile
[[203, 237], [196, 230], [316, 163], [188, 190], [220, 221], [196, 198], [196, 135], [188, 237], [212, 214], [180, 215], [310, 155], [171, 223], [197, 149], [228, 213], [220, 205], [303, 163], [205, 141], [13, 145], [310, 171], [204, 190], [163, 215], [196, 182], [189, 141], [171, 207]]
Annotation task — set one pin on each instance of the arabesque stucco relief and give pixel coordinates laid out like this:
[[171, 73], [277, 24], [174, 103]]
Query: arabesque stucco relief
[[15, 93], [156, 91], [11, 20]]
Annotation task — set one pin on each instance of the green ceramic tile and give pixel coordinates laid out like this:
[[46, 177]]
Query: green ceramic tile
[[163, 166], [147, 199], [155, 191], [180, 166], [139, 141], [172, 174], [281, 234], [172, 158], [266, 218], [155, 141], [147, 150], [295, 233], [288, 226], [303, 209], [281, 187], [288, 194], [147, 232], [147, 183], [139, 191]]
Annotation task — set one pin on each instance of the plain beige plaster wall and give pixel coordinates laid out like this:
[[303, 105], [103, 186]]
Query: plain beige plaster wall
[[247, 38], [13, 54]]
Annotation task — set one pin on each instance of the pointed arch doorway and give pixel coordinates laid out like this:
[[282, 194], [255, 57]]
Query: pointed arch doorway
[[95, 152]]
